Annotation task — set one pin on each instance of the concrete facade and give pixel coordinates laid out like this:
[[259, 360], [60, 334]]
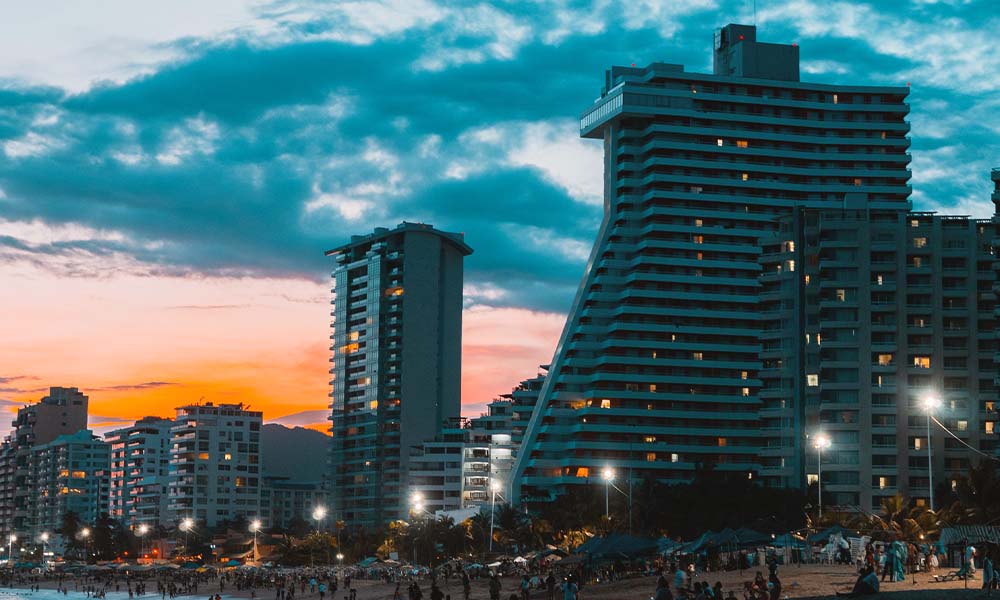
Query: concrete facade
[[63, 411], [140, 472], [283, 500], [67, 474], [396, 362], [658, 369], [215, 464]]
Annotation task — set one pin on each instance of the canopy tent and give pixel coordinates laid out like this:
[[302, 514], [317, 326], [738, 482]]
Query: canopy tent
[[368, 562], [969, 534], [665, 545], [790, 540], [823, 537], [618, 545]]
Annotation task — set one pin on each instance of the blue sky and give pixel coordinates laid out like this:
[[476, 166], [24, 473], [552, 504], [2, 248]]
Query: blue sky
[[234, 141]]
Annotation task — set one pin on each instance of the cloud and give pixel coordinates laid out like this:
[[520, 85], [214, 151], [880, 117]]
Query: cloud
[[128, 387], [302, 418]]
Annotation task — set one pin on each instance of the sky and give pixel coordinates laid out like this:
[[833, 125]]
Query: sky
[[172, 172]]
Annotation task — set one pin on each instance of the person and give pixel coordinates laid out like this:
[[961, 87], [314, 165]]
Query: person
[[494, 586], [322, 591], [680, 581], [662, 589], [525, 587], [436, 593], [866, 585], [989, 576], [570, 589], [717, 590], [932, 561], [550, 586], [466, 585]]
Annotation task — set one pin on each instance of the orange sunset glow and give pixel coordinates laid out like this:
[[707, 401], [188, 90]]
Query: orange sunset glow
[[142, 344]]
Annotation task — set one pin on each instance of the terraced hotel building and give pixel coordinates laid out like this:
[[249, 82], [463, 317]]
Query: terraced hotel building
[[662, 365]]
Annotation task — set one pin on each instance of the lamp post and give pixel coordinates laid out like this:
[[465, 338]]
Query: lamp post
[[319, 513], [141, 531], [930, 403], [608, 475], [185, 526], [85, 533], [821, 442], [494, 486], [340, 560], [44, 537], [10, 551], [255, 527]]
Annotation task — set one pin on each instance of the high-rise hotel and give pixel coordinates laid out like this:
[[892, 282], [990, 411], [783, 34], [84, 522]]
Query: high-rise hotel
[[396, 362], [660, 367]]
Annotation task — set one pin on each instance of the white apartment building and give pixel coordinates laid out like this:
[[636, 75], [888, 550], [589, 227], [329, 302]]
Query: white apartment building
[[140, 472], [215, 464]]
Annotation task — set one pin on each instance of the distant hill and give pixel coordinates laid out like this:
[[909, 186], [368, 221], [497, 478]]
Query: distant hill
[[298, 452]]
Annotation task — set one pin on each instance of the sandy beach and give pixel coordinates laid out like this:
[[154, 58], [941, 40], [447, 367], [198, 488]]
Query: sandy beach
[[810, 581]]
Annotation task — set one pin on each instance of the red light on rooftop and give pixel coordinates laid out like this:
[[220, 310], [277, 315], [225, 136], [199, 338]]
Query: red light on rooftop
[[633, 64], [741, 38], [794, 45], [907, 84]]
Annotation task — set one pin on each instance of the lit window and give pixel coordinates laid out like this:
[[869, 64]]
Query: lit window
[[79, 474], [914, 223], [857, 181], [698, 239], [741, 144], [700, 256], [675, 458], [718, 142], [373, 404], [883, 482], [721, 442], [788, 246], [811, 478], [605, 403], [697, 355], [812, 379], [227, 456], [806, 279], [203, 456], [790, 265], [746, 176], [885, 359], [918, 261], [745, 392], [879, 280], [883, 135], [651, 457], [835, 98], [583, 472], [916, 443], [963, 426], [922, 362], [988, 405], [652, 387], [744, 374], [989, 425], [921, 502], [919, 242], [650, 439], [841, 295], [354, 336], [698, 223]]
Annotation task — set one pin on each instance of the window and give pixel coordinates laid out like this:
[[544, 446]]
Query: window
[[963, 426], [650, 439], [651, 457], [988, 427], [675, 458], [922, 362], [697, 355], [919, 242], [721, 442], [718, 142], [788, 246], [746, 176], [699, 256], [227, 456], [605, 403], [883, 482], [698, 223], [652, 387], [698, 239], [203, 456], [744, 374], [812, 379], [790, 265], [917, 262], [914, 223], [884, 360], [745, 392], [807, 279], [857, 181], [879, 280], [372, 404], [835, 98], [917, 443], [841, 295], [741, 144]]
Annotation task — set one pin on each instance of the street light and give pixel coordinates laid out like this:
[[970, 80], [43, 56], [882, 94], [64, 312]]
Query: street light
[[85, 533], [186, 525], [45, 538], [141, 531], [930, 403], [340, 559], [821, 442], [10, 550], [608, 475], [255, 527], [319, 513], [494, 487]]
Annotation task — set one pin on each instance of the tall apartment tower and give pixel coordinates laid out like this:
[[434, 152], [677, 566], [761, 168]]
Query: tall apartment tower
[[68, 474], [62, 412], [396, 361], [866, 315], [215, 455], [140, 472], [658, 367]]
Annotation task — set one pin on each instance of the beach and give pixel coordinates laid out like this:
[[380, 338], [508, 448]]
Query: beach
[[807, 582]]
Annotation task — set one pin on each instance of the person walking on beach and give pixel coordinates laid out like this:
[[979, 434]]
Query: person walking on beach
[[494, 586], [466, 585]]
